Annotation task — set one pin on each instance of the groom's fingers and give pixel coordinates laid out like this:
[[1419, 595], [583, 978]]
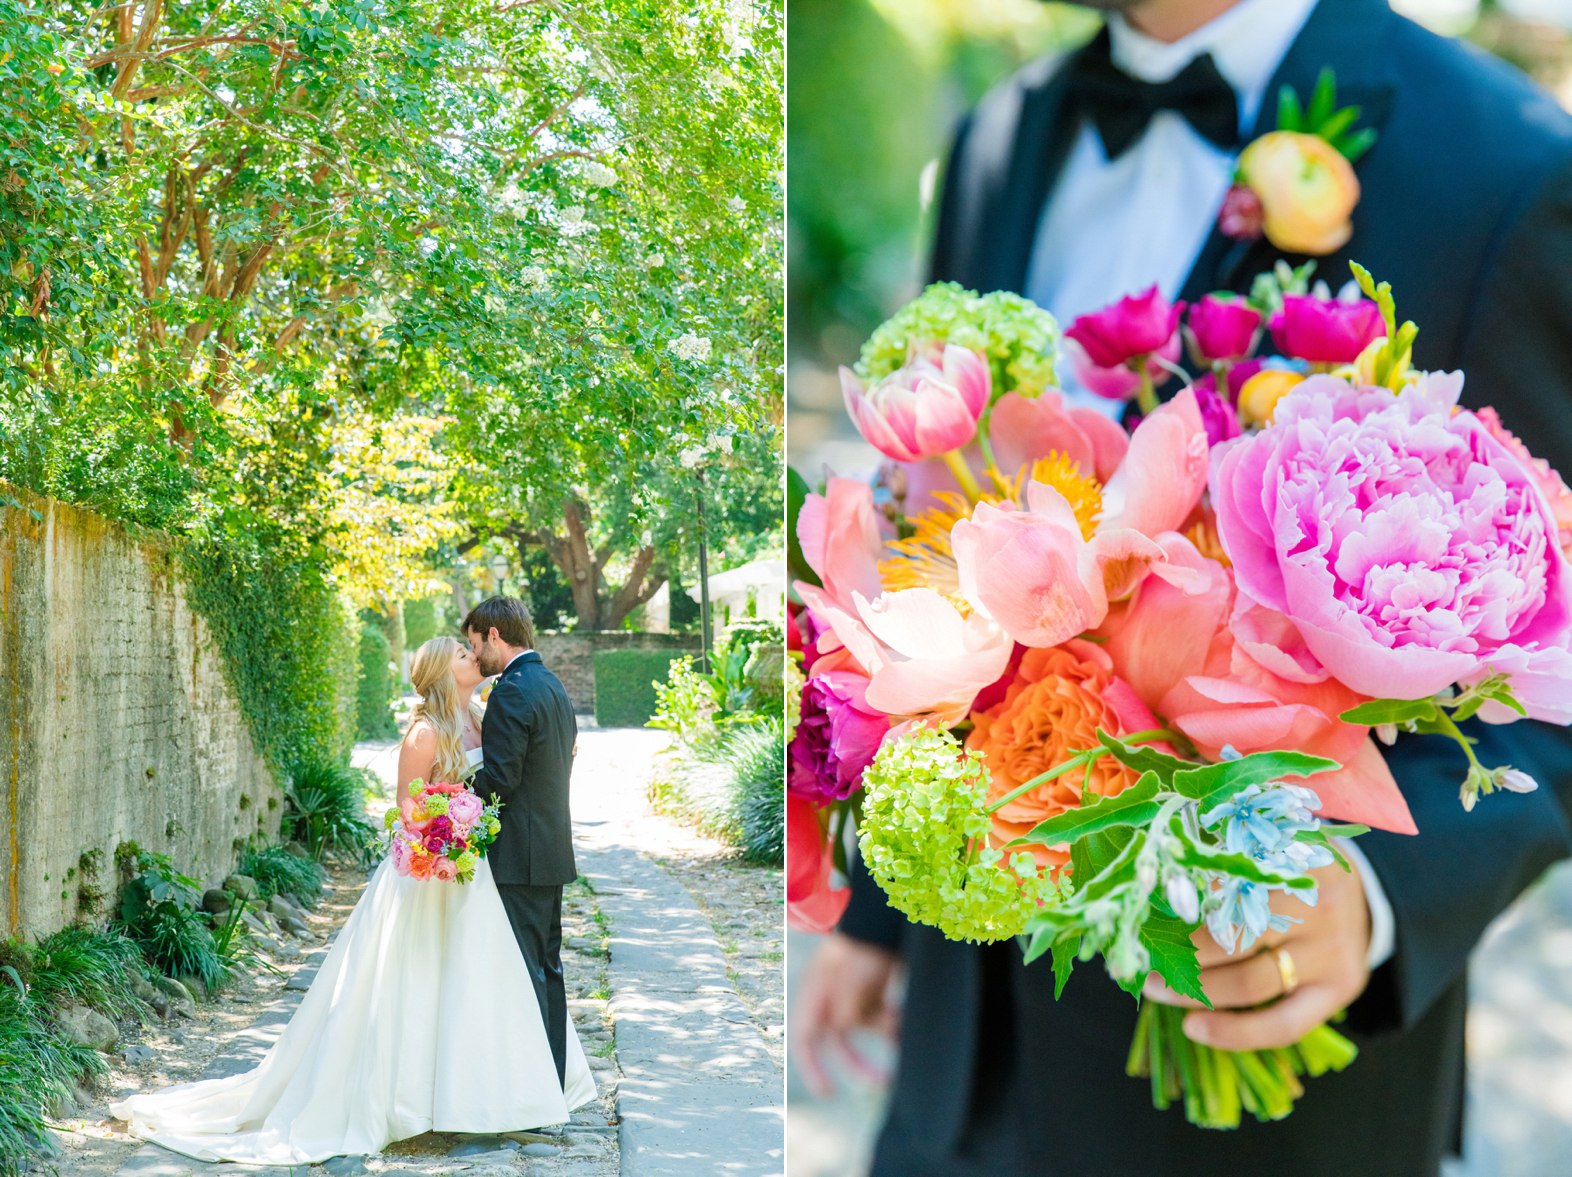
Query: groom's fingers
[[1281, 1024]]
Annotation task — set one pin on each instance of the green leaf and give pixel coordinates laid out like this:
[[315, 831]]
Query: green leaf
[[1167, 938], [1355, 145], [1213, 784], [796, 496], [1064, 952], [1203, 858], [1337, 124], [1120, 870], [1390, 711], [1133, 807], [1290, 115], [1323, 101], [1143, 758]]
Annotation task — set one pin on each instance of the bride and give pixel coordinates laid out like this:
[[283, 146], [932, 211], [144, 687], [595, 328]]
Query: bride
[[422, 1017]]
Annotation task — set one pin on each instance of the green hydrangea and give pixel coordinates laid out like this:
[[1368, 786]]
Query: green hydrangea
[[390, 818], [436, 804], [1016, 335], [924, 837], [795, 681]]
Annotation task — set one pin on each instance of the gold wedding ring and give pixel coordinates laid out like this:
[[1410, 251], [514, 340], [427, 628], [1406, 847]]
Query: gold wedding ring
[[1285, 969]]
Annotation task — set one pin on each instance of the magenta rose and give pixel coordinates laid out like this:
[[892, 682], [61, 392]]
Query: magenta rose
[[1217, 414], [1136, 325], [1223, 329], [836, 737], [464, 808], [1409, 547], [441, 825], [1325, 331], [435, 843]]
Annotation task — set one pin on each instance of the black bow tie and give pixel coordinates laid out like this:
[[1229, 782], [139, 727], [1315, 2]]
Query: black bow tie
[[1120, 106]]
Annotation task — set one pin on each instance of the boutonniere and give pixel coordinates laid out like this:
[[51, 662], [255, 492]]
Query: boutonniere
[[1296, 185]]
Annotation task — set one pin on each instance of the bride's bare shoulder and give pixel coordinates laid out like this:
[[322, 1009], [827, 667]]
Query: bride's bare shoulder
[[421, 737]]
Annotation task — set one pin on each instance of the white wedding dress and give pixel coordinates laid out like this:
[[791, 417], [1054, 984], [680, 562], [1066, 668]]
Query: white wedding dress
[[422, 1017]]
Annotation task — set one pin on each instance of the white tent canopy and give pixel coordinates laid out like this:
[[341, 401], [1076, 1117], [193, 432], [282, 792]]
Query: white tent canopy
[[762, 581]]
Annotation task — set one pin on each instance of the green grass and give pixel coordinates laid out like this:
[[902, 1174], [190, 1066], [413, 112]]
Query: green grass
[[278, 872], [730, 784]]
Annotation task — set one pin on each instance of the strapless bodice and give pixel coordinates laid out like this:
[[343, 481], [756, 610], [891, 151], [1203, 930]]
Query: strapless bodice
[[475, 755]]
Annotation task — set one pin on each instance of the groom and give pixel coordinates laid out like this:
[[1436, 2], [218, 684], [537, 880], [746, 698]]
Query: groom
[[1095, 175], [528, 742]]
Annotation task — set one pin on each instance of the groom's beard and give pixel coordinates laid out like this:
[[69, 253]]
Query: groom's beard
[[490, 662]]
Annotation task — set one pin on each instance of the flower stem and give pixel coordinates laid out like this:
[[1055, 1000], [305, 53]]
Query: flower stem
[[1145, 395], [963, 475]]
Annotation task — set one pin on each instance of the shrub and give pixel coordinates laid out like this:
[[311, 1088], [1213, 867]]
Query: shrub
[[378, 687], [325, 807], [36, 1067], [625, 685], [420, 623], [685, 701], [278, 872], [758, 758], [87, 967], [158, 912]]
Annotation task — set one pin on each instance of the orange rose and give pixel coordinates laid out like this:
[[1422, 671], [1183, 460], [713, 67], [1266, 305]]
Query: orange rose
[[1052, 710], [1307, 190], [420, 866]]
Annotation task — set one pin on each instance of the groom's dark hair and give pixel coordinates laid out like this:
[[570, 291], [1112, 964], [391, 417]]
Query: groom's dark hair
[[509, 616]]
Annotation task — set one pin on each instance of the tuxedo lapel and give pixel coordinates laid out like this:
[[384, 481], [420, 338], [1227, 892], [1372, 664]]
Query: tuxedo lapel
[[1346, 35]]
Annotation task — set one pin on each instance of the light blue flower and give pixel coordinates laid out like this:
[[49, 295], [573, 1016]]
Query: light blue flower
[[1240, 905]]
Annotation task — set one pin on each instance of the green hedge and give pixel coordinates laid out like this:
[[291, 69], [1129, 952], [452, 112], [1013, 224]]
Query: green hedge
[[378, 690], [625, 685]]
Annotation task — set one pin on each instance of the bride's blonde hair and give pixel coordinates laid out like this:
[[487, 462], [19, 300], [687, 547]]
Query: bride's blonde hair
[[431, 673]]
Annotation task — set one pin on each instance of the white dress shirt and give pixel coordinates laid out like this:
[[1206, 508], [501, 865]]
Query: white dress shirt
[[1115, 227]]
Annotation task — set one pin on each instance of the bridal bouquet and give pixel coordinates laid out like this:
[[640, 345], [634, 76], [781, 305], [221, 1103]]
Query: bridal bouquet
[[1097, 688], [441, 832]]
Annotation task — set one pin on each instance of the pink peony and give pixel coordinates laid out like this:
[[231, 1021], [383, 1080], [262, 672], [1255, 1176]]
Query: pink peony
[[464, 808], [836, 737], [401, 852], [1326, 331], [1023, 429], [1550, 482], [1163, 473], [1408, 546], [1223, 328], [1136, 325], [927, 407]]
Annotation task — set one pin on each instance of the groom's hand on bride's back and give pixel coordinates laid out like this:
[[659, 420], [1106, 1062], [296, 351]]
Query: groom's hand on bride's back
[[846, 987]]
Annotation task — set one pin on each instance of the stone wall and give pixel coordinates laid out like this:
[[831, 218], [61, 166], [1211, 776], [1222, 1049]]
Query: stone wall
[[116, 722], [571, 656]]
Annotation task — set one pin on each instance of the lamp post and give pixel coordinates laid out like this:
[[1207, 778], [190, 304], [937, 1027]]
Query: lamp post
[[704, 583], [499, 569]]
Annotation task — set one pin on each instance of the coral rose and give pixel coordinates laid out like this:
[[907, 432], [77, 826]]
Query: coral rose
[[1059, 699], [1307, 190], [420, 866], [444, 870]]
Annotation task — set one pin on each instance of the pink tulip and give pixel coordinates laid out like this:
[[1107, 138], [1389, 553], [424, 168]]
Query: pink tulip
[[1326, 331], [1136, 325], [812, 903], [1030, 570], [836, 738], [839, 534], [1409, 547], [1164, 472], [924, 408], [1223, 329]]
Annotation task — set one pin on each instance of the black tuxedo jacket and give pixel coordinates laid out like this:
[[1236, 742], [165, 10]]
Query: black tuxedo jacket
[[1467, 211], [528, 739]]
